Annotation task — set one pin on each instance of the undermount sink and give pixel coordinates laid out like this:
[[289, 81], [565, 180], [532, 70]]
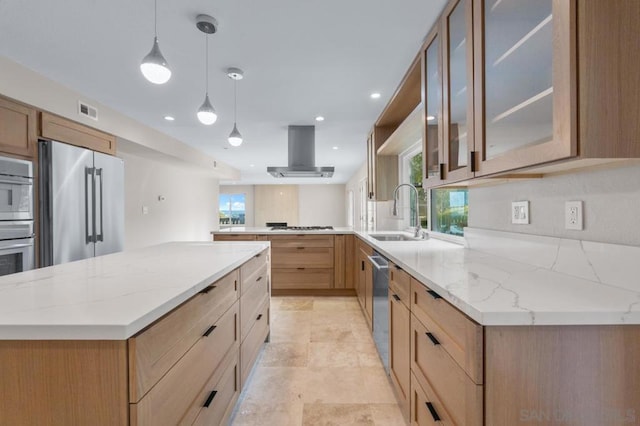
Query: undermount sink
[[393, 237]]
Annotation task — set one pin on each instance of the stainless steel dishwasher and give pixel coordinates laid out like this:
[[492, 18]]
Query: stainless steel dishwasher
[[381, 306]]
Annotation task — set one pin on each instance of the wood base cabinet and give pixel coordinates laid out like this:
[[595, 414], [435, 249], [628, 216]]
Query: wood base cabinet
[[399, 347]]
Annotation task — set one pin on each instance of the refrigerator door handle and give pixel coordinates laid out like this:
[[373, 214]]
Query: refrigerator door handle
[[100, 235], [89, 214]]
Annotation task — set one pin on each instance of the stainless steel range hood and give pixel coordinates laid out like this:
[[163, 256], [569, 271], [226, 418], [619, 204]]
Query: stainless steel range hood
[[302, 156]]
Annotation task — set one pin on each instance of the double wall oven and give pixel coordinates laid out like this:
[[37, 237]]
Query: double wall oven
[[16, 216]]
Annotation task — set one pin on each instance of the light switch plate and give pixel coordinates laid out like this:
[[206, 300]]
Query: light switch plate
[[145, 210], [573, 215], [520, 212]]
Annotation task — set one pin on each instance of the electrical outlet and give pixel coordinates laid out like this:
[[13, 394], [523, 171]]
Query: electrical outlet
[[145, 210], [520, 212], [573, 215]]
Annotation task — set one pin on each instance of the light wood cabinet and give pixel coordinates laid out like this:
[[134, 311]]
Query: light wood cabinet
[[63, 130], [233, 237], [382, 170], [364, 289], [399, 346], [18, 129], [303, 262]]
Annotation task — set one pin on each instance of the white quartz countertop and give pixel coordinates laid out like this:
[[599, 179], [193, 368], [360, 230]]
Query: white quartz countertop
[[113, 297], [508, 279], [268, 230]]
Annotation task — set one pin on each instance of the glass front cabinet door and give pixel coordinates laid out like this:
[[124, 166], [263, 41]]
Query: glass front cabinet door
[[525, 96], [432, 157]]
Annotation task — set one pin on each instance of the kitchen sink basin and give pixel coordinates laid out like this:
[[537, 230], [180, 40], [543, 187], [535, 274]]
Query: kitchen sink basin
[[393, 237]]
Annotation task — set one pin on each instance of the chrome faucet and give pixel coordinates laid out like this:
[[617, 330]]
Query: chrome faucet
[[418, 229]]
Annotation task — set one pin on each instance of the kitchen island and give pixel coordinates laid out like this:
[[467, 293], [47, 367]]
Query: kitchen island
[[160, 335]]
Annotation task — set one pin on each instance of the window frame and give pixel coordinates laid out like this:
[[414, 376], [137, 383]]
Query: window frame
[[231, 195], [441, 235]]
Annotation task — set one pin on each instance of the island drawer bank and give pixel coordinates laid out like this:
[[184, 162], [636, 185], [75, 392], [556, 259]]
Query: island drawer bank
[[185, 367]]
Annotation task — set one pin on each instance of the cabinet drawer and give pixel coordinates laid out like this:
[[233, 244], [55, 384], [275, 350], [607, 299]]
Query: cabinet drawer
[[215, 402], [293, 241], [250, 303], [302, 278], [253, 265], [426, 409], [400, 352], [154, 350], [171, 398], [251, 345], [434, 368], [401, 282], [259, 277], [234, 237], [458, 335], [303, 257]]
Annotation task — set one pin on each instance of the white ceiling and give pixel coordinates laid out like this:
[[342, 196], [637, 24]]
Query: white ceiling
[[301, 59]]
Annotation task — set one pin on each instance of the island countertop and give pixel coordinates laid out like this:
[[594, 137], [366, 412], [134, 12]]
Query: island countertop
[[115, 296]]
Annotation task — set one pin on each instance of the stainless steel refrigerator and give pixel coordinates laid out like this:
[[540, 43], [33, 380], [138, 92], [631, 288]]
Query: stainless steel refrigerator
[[81, 203]]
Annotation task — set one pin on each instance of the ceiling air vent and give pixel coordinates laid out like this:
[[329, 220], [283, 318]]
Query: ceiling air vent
[[87, 110]]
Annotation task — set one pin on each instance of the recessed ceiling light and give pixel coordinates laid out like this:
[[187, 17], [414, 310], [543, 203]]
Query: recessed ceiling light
[[319, 118], [335, 147], [169, 118], [430, 118], [375, 95]]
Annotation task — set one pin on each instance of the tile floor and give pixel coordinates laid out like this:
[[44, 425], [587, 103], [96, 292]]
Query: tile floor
[[320, 368]]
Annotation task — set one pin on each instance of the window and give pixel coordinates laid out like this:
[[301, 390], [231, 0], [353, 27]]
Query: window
[[449, 210], [411, 172], [231, 208]]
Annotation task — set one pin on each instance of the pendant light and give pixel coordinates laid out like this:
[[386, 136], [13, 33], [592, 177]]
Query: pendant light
[[235, 138], [207, 113], [154, 67]]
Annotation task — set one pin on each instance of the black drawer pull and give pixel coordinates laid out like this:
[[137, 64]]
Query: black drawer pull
[[300, 248], [433, 338], [434, 294], [432, 410], [209, 400], [395, 296], [300, 269], [258, 255], [209, 331], [398, 268], [208, 289], [363, 265], [259, 278], [259, 317]]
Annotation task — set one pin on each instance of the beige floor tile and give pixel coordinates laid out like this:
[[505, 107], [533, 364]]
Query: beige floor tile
[[377, 385], [257, 414], [331, 332], [336, 415], [285, 354], [291, 326], [335, 386], [387, 415], [333, 354], [367, 354], [295, 303], [343, 316], [272, 385]]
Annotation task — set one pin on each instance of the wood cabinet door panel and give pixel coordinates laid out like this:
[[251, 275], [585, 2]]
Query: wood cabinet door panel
[[251, 345], [302, 257], [18, 124], [303, 278], [400, 351], [426, 409], [63, 130]]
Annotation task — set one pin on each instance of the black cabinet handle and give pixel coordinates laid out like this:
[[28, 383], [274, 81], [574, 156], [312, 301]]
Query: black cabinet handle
[[258, 255], [362, 265], [300, 269], [300, 248], [209, 331], [209, 400], [208, 289], [395, 296], [259, 278], [434, 294], [472, 161], [259, 317], [434, 413], [398, 268], [433, 338]]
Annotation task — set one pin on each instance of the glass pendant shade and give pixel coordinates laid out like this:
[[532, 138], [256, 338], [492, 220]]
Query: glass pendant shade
[[235, 138], [154, 67], [206, 113]]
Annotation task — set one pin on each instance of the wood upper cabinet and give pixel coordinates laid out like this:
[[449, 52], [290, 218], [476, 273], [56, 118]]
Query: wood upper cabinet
[[525, 83], [432, 155], [18, 128], [382, 170], [63, 130]]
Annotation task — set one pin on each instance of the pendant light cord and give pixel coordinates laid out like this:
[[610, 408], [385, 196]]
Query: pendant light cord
[[235, 101], [155, 17], [206, 68]]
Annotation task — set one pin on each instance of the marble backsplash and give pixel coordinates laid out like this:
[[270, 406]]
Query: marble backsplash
[[603, 263]]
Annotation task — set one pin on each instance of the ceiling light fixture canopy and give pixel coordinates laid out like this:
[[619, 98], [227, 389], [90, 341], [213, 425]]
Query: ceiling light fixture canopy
[[235, 74], [154, 66], [207, 113]]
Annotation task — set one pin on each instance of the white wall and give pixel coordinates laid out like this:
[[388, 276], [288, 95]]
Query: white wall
[[249, 200], [320, 205], [190, 209], [611, 200], [354, 185]]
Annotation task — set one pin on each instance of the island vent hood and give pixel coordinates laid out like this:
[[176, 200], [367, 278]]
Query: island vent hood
[[302, 156]]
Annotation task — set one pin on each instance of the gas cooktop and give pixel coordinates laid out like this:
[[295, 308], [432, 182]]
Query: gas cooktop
[[300, 228]]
